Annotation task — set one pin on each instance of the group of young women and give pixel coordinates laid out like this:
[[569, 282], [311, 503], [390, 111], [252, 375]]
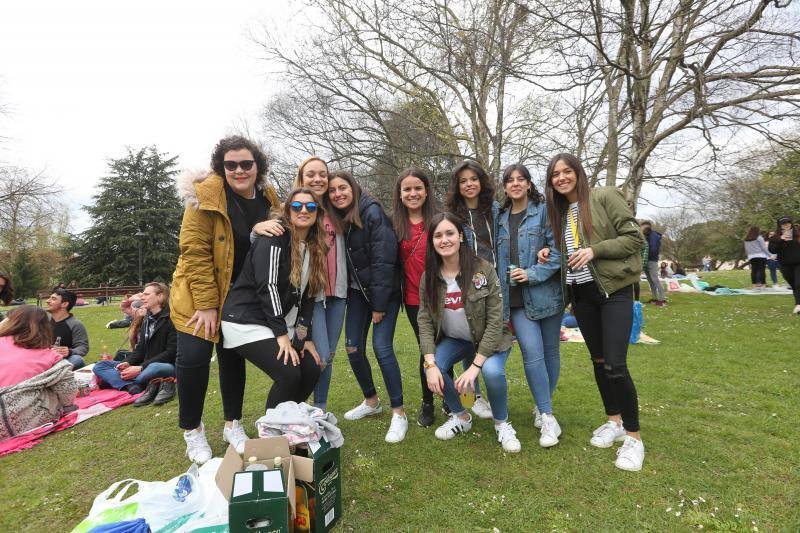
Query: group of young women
[[471, 276]]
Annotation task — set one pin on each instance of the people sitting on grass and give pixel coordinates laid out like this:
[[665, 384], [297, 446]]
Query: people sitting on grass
[[70, 338], [36, 383], [151, 364], [461, 319]]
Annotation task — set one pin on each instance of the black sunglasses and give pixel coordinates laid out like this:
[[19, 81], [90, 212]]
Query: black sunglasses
[[246, 165], [298, 206]]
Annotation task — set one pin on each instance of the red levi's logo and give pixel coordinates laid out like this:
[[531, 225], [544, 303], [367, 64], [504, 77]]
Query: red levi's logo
[[452, 300]]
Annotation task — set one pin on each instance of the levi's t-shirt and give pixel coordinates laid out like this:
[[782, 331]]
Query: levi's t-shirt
[[454, 319]]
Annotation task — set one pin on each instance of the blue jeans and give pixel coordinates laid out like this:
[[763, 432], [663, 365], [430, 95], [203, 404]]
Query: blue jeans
[[356, 328], [449, 351], [325, 332], [76, 361], [107, 371], [539, 342]]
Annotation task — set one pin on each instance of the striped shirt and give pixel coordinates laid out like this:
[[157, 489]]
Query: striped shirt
[[583, 274]]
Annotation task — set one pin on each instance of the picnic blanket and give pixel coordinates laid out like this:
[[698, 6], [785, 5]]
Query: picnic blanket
[[98, 402], [574, 335]]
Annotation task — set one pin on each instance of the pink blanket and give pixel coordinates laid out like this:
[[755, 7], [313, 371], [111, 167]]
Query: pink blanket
[[97, 403]]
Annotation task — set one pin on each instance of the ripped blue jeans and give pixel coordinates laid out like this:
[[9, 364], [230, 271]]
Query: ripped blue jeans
[[326, 329]]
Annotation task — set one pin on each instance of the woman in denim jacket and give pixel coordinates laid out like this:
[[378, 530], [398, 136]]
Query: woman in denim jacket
[[532, 293]]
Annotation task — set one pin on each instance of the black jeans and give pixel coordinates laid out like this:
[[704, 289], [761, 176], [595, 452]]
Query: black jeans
[[290, 383], [605, 323], [191, 369], [758, 271], [791, 273]]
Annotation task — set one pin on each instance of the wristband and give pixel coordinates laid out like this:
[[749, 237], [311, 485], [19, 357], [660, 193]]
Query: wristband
[[479, 367]]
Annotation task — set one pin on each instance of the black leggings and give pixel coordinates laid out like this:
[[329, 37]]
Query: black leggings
[[191, 369], [605, 323], [290, 383], [427, 396], [758, 271], [791, 273]]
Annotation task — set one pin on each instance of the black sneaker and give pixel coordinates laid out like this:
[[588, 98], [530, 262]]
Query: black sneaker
[[165, 393], [149, 394], [445, 408], [133, 390], [425, 418]]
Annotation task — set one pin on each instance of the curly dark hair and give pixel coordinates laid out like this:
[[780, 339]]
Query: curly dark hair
[[7, 292], [455, 202], [237, 142]]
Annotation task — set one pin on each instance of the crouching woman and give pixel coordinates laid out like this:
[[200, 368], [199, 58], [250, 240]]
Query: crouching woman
[[151, 364], [461, 319], [267, 317]]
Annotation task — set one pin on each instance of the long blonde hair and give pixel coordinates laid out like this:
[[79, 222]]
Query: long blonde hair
[[315, 245]]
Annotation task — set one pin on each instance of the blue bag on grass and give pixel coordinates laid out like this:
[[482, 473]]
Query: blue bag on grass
[[638, 322]]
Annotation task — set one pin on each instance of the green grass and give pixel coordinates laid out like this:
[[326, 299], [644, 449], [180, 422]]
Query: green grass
[[719, 404]]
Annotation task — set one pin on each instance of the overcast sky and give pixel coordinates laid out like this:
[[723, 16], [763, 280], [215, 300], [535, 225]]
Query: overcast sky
[[82, 80]]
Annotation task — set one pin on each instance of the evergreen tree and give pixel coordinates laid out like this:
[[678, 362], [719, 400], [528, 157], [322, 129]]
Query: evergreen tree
[[138, 195], [26, 274]]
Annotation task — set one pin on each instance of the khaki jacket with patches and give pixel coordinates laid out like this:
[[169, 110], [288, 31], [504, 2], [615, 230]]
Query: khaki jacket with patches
[[483, 307]]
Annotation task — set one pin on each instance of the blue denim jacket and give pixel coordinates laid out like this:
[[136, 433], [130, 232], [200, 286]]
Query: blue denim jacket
[[543, 295], [469, 233]]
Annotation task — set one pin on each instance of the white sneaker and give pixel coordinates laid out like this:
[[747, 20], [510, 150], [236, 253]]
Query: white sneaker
[[481, 408], [235, 435], [796, 310], [452, 427], [197, 447], [397, 429], [550, 431], [507, 438], [361, 410], [607, 434], [537, 418], [630, 455]]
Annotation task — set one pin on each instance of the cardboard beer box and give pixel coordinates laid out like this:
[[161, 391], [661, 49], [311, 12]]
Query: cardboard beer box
[[258, 501], [321, 473]]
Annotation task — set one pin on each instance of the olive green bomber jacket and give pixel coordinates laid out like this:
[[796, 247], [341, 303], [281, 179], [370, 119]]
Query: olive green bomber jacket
[[616, 241], [483, 306]]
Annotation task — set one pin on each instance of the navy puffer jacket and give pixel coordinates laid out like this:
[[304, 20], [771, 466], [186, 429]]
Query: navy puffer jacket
[[372, 254]]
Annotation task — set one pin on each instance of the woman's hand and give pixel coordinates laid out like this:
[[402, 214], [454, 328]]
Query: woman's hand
[[435, 381], [580, 258], [519, 275], [286, 351], [206, 319], [309, 347], [123, 366], [466, 381], [544, 255], [377, 316], [130, 373], [269, 228]]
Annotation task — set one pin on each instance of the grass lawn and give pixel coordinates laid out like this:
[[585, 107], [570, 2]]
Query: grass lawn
[[719, 412]]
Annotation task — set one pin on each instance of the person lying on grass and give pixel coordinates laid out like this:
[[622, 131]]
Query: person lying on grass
[[461, 318], [151, 364]]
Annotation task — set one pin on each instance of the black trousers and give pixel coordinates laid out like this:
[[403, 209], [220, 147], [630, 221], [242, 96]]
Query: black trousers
[[791, 273], [191, 369], [605, 323], [290, 383], [758, 271]]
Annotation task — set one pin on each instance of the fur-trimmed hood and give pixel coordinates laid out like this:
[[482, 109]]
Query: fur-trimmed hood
[[205, 188]]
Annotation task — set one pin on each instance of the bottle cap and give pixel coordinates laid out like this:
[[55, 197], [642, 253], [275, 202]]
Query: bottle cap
[[252, 459], [278, 462]]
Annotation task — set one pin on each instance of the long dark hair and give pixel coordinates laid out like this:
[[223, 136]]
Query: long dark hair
[[29, 325], [752, 234], [237, 142], [400, 211], [455, 202], [7, 294], [779, 230], [557, 203], [534, 195], [342, 218], [467, 261]]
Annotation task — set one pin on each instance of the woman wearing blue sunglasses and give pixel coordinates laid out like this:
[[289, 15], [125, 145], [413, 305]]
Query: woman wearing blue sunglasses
[[267, 316]]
